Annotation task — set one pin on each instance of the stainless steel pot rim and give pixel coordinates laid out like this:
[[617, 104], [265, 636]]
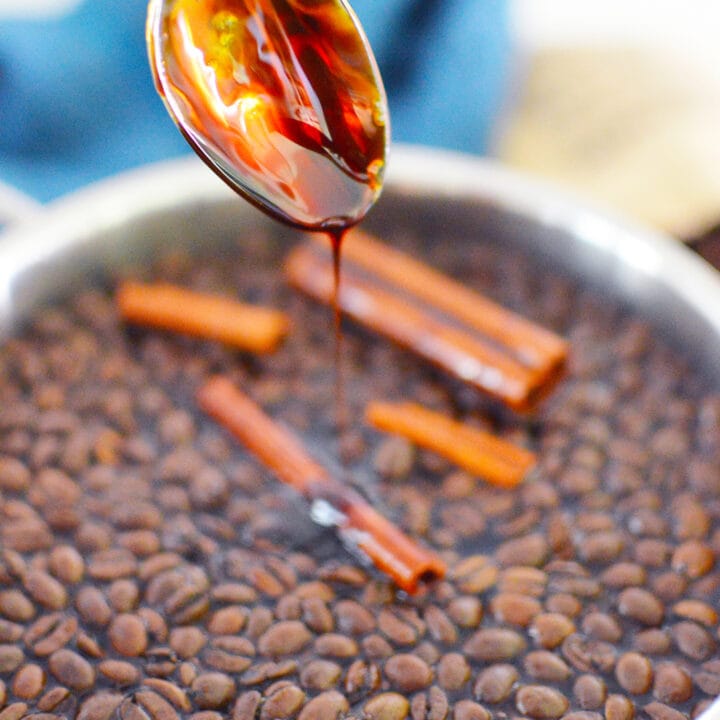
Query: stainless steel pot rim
[[71, 221]]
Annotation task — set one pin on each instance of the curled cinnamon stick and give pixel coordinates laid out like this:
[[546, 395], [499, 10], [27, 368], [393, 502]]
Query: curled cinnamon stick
[[466, 357], [358, 523], [168, 307], [480, 453]]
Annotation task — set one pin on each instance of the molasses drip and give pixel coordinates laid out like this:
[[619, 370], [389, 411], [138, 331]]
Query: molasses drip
[[282, 98]]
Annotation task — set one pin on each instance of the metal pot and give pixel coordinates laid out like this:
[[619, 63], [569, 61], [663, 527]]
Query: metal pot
[[129, 217]]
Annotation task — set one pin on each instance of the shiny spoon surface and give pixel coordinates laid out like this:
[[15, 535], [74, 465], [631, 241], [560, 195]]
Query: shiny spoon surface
[[281, 98]]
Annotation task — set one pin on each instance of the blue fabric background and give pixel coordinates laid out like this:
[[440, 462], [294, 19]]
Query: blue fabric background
[[77, 101]]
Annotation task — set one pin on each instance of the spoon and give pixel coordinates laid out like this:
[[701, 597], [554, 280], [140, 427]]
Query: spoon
[[281, 98]]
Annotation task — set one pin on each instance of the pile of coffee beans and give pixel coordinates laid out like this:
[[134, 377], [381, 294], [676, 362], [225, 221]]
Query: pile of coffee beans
[[149, 568]]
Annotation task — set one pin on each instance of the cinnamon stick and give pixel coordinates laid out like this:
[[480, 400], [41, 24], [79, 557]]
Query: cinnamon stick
[[532, 344], [466, 355], [499, 462], [169, 307], [359, 524]]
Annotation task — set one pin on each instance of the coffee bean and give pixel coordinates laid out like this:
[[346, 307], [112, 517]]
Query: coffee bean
[[376, 647], [92, 606], [407, 672], [634, 673], [28, 682], [110, 565], [227, 621], [10, 632], [693, 558], [128, 635], [660, 711], [123, 595], [171, 692], [246, 706], [316, 615], [326, 706], [353, 618], [156, 706], [187, 642], [362, 678], [398, 630], [590, 692], [544, 665], [475, 574], [119, 672], [550, 629], [284, 638], [14, 475], [453, 671], [563, 604], [52, 699], [15, 606], [602, 547], [320, 675], [394, 458], [696, 610], [708, 677], [530, 550], [15, 711], [11, 657], [282, 704], [50, 633], [72, 670], [213, 690], [602, 627], [693, 640], [495, 683], [514, 608], [618, 707], [494, 645], [538, 701], [640, 605], [652, 642], [466, 611], [469, 710], [387, 706], [624, 574], [523, 580], [66, 564], [672, 684]]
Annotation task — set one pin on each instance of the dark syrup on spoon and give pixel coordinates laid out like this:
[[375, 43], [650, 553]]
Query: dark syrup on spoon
[[284, 101]]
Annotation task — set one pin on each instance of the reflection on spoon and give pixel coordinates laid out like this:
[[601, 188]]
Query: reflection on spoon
[[281, 98]]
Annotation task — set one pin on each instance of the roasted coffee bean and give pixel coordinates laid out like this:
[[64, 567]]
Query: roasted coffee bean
[[693, 558], [494, 645], [376, 647], [128, 635], [538, 701], [92, 606], [387, 706], [634, 673], [407, 672], [11, 657], [469, 710], [693, 640], [432, 705], [284, 638], [72, 670], [397, 629], [362, 678], [213, 690], [187, 641], [514, 608], [529, 550], [440, 626], [544, 665], [15, 711], [156, 706], [602, 627], [50, 633], [660, 711], [320, 675], [246, 706], [123, 595], [259, 621], [15, 606], [227, 621], [708, 677], [696, 610], [475, 574], [495, 683], [590, 692], [453, 671], [119, 672], [171, 692], [28, 682], [326, 706], [672, 684], [618, 707], [466, 611], [550, 629], [316, 615], [282, 704], [353, 618], [641, 605]]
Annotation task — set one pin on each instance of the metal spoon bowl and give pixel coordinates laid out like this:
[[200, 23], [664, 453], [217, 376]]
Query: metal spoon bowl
[[281, 98]]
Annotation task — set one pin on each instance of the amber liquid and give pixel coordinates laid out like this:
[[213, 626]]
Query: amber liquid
[[281, 98], [283, 101]]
